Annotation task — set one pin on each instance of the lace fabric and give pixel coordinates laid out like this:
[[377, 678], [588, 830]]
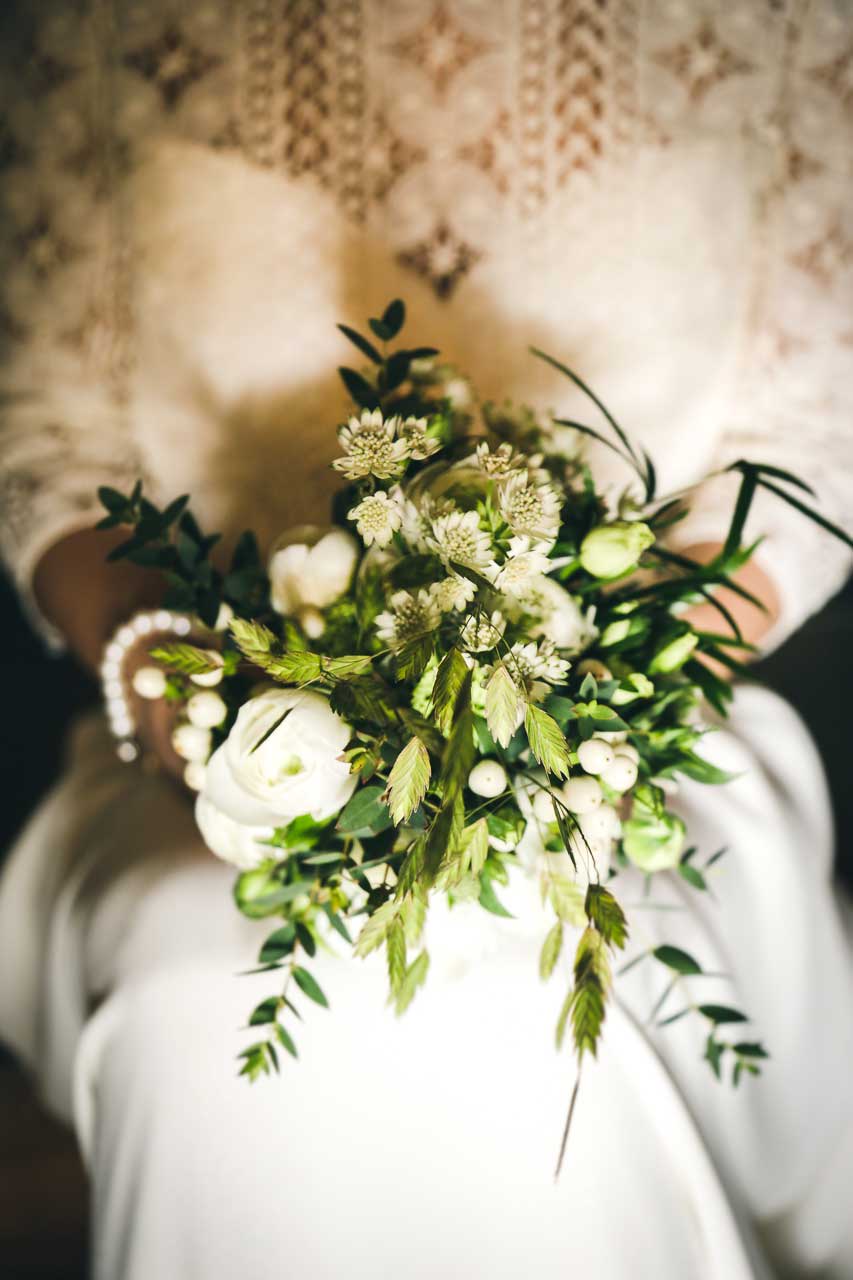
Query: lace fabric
[[658, 192]]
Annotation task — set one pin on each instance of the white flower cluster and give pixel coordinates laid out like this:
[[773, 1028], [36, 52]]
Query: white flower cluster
[[380, 447]]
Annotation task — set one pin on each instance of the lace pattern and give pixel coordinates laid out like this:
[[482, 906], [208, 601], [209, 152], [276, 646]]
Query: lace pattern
[[481, 144]]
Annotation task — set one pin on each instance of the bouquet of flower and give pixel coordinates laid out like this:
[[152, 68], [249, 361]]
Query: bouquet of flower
[[482, 666]]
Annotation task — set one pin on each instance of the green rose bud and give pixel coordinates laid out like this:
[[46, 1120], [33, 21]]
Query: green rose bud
[[653, 841], [675, 654], [252, 892], [613, 549]]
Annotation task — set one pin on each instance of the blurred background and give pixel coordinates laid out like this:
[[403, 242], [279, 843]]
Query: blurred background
[[43, 1192]]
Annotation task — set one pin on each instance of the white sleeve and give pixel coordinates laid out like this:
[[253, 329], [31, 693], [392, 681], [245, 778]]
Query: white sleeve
[[64, 308], [793, 400]]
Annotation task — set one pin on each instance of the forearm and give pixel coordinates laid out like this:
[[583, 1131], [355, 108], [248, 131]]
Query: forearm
[[754, 623], [86, 597]]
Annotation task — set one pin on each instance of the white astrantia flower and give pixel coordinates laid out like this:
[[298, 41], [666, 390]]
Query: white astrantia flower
[[280, 761], [412, 613], [459, 539], [420, 445], [453, 592], [524, 565], [534, 667], [530, 509], [377, 517], [500, 461], [479, 633], [371, 448], [539, 661]]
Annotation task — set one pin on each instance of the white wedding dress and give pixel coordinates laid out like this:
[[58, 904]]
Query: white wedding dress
[[657, 193]]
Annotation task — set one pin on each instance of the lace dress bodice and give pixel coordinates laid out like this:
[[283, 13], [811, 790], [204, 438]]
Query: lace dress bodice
[[655, 191]]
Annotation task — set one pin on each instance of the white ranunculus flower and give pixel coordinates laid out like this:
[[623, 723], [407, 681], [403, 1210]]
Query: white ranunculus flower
[[294, 772], [306, 576], [559, 617], [232, 841]]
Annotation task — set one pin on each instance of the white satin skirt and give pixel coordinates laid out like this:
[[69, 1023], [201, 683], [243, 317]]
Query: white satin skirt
[[425, 1146]]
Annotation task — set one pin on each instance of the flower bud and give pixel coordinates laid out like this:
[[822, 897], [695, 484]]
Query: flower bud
[[613, 549]]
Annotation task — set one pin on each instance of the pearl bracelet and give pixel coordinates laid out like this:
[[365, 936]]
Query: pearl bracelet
[[119, 713]]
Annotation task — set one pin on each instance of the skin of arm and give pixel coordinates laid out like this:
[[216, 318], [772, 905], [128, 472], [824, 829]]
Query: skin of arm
[[754, 624]]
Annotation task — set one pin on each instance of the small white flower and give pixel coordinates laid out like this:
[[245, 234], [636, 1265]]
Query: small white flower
[[499, 462], [412, 613], [377, 518], [522, 568], [479, 633], [370, 447], [420, 445], [458, 538], [535, 667], [453, 592], [529, 508]]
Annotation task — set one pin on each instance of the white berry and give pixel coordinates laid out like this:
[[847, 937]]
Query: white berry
[[621, 774], [194, 775], [602, 824], [543, 806], [582, 795], [312, 622], [487, 779], [206, 710], [223, 617], [149, 682], [595, 755], [625, 749], [191, 742]]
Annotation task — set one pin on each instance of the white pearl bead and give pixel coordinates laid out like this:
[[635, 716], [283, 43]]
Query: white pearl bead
[[181, 626], [127, 752], [487, 779], [149, 682], [142, 624], [621, 774], [191, 742], [595, 755], [582, 795], [113, 689], [206, 710], [194, 775], [162, 620], [114, 652], [125, 636]]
